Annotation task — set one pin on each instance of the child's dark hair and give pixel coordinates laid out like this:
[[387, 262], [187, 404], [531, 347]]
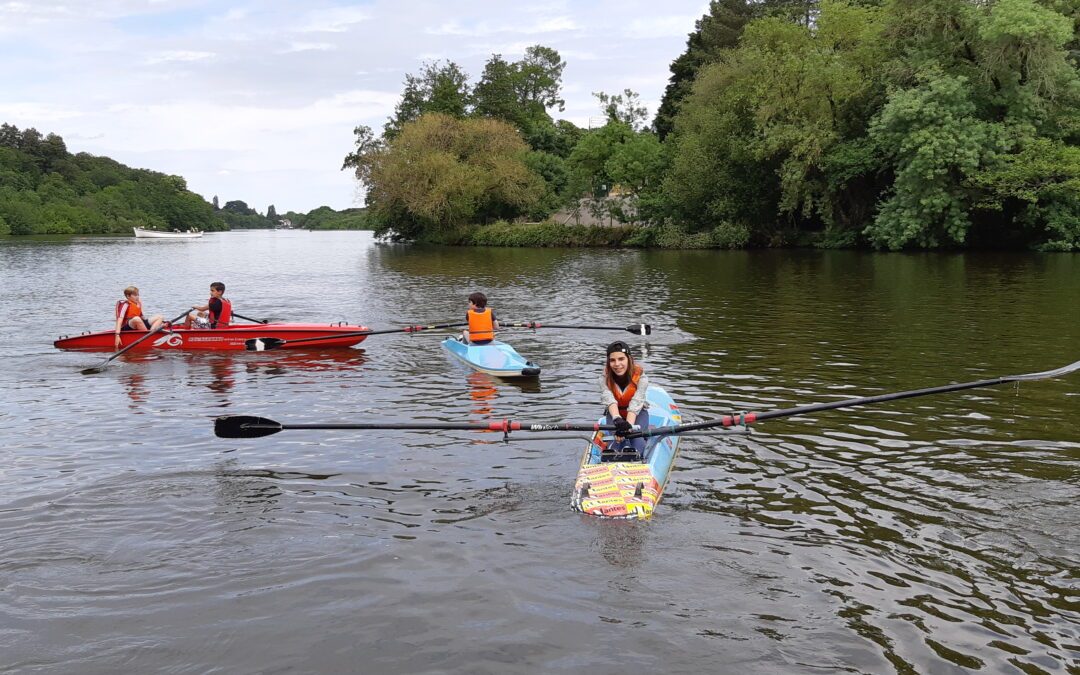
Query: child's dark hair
[[218, 286], [478, 299]]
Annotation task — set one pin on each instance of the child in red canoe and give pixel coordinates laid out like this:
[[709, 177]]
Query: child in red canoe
[[216, 313], [129, 314], [482, 323]]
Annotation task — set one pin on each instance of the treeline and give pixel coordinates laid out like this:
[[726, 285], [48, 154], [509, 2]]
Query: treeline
[[326, 218], [46, 190], [894, 124]]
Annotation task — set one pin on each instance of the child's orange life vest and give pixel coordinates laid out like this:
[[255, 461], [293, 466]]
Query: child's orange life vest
[[481, 325], [129, 309]]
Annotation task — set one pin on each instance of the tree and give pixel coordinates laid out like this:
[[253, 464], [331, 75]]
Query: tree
[[240, 207], [625, 108], [438, 88], [714, 33], [440, 172], [937, 142], [522, 92], [216, 207], [271, 212], [540, 77]]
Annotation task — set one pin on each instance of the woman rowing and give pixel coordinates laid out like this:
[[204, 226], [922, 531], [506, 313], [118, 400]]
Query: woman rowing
[[622, 391]]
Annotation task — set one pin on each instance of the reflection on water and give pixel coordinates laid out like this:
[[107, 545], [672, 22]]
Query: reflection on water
[[937, 534]]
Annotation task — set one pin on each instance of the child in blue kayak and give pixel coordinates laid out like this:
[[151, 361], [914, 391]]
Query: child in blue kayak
[[482, 322], [622, 391]]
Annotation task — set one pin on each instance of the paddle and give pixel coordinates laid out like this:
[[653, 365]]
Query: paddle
[[247, 426], [246, 318], [266, 343], [636, 329], [101, 367], [750, 418]]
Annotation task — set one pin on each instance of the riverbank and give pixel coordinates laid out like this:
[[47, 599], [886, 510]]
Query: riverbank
[[555, 235]]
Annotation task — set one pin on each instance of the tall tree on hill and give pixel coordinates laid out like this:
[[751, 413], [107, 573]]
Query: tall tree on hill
[[714, 33], [271, 212], [439, 88], [521, 92]]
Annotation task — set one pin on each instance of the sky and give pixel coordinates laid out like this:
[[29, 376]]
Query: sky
[[257, 100]]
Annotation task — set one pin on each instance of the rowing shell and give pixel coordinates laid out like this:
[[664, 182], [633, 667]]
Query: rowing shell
[[629, 490], [494, 358], [229, 338]]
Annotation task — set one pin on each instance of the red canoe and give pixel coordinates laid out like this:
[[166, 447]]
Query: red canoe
[[218, 339]]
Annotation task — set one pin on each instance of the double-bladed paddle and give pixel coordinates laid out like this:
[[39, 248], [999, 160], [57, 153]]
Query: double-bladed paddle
[[636, 329], [102, 366], [247, 426], [750, 418], [265, 343]]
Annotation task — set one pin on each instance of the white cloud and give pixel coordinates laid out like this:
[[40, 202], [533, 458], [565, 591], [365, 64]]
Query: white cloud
[[334, 20], [309, 47], [257, 100], [486, 28], [661, 27], [178, 56]]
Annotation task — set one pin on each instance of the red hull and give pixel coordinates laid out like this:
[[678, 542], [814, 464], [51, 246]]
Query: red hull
[[217, 339]]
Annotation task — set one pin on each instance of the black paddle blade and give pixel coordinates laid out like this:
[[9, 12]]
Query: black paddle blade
[[262, 344], [94, 370], [245, 426], [640, 329]]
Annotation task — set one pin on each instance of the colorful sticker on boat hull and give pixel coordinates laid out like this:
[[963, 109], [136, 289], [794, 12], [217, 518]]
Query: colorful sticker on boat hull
[[616, 490]]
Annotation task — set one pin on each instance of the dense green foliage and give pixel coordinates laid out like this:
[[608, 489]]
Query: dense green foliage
[[326, 218], [896, 124], [46, 190], [440, 172], [915, 124]]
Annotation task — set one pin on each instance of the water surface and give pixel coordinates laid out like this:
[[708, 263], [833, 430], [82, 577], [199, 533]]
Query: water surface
[[933, 535]]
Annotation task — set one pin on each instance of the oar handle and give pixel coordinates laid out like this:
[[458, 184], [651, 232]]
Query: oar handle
[[248, 318]]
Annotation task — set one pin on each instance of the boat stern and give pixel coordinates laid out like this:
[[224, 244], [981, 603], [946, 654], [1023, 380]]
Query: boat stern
[[623, 490]]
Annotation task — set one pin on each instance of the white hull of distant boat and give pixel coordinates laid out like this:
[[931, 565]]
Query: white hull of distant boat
[[156, 234]]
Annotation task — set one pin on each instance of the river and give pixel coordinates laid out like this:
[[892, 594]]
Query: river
[[932, 535]]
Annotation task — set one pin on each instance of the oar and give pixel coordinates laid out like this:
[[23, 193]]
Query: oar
[[247, 318], [101, 367], [636, 329], [247, 426], [750, 418], [264, 343]]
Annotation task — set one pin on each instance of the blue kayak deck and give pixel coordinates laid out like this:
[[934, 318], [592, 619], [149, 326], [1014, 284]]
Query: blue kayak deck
[[494, 358]]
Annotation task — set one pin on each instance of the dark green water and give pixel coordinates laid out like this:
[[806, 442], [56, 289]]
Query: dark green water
[[931, 535]]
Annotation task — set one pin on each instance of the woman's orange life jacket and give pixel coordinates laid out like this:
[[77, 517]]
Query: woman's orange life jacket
[[223, 319], [481, 325], [624, 396], [129, 309]]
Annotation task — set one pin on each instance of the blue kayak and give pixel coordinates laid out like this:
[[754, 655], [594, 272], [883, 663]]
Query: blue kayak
[[631, 489], [494, 358]]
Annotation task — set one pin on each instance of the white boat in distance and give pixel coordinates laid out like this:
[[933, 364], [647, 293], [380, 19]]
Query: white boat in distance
[[157, 234]]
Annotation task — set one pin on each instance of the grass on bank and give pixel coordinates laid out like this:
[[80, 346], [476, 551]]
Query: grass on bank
[[550, 234]]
